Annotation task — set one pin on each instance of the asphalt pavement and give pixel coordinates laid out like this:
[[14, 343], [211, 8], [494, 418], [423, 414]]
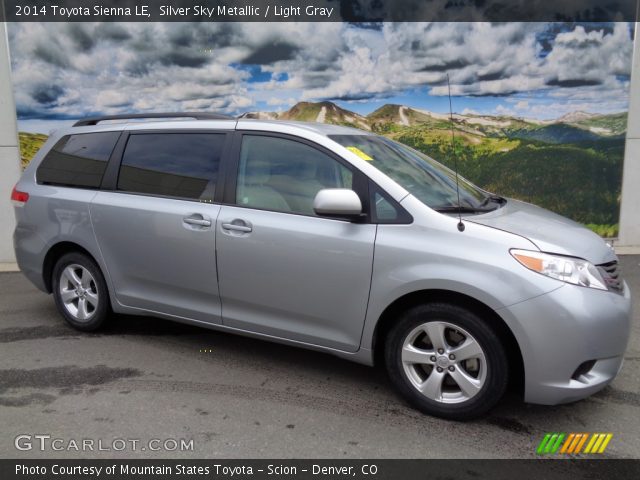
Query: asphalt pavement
[[145, 379]]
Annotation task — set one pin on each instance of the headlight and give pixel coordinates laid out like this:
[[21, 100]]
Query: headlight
[[567, 269]]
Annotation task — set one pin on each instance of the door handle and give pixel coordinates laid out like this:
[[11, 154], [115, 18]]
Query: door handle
[[194, 220], [237, 228]]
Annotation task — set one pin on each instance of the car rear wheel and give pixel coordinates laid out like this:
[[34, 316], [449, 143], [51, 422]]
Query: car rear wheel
[[80, 291], [446, 361]]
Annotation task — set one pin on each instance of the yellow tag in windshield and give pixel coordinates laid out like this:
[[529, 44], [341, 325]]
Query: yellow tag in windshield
[[360, 153]]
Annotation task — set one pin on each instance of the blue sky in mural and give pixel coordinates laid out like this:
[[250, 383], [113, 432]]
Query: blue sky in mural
[[538, 71]]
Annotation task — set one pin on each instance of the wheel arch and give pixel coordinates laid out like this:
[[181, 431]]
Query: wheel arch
[[496, 323], [54, 253]]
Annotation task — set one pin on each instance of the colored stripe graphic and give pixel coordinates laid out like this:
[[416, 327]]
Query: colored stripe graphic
[[567, 443], [556, 445], [572, 443], [550, 443], [543, 444], [581, 443], [592, 441], [605, 442], [598, 443]]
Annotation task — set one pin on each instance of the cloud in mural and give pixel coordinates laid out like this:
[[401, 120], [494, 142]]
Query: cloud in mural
[[71, 70]]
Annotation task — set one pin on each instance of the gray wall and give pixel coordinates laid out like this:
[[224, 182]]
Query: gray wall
[[9, 154], [630, 204]]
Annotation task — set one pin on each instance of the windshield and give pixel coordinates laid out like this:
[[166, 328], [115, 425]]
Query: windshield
[[429, 181]]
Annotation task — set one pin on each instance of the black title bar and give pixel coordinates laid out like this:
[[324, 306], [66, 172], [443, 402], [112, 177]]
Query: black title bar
[[537, 469], [318, 10]]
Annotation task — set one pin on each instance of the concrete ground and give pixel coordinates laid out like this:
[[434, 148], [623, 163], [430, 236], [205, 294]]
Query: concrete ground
[[145, 378]]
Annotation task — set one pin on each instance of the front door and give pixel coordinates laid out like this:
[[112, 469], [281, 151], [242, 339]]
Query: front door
[[283, 270]]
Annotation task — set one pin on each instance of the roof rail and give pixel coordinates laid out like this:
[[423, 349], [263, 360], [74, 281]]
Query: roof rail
[[194, 115]]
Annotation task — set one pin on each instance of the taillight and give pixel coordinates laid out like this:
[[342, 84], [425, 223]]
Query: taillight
[[19, 198]]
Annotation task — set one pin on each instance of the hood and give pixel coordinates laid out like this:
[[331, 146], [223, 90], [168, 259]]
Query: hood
[[550, 232]]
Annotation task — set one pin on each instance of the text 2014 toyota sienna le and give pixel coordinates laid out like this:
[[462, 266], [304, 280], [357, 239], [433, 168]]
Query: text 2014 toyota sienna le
[[329, 238]]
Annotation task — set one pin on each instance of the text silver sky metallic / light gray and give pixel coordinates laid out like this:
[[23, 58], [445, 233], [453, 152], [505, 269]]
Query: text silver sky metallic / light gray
[[328, 238]]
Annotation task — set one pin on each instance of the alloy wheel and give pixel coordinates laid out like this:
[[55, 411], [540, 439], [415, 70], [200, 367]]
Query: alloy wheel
[[78, 292], [444, 362]]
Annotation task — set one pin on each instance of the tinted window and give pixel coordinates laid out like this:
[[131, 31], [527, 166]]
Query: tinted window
[[78, 160], [181, 165], [384, 209], [285, 175]]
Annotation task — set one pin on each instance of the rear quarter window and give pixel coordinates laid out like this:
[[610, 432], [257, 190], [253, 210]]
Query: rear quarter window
[[78, 160]]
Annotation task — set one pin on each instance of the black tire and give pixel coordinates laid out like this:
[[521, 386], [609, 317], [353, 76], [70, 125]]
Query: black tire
[[98, 314], [495, 374]]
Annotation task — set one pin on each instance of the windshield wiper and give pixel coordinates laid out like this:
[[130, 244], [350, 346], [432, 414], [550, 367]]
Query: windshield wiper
[[493, 198], [461, 209]]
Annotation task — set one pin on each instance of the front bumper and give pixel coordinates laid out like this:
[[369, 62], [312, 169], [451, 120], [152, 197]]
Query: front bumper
[[559, 331]]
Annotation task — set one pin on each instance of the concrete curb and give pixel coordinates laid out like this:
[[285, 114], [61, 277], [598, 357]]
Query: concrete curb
[[9, 267], [628, 250]]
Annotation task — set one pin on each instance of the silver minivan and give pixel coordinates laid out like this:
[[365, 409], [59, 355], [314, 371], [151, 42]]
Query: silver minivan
[[328, 238]]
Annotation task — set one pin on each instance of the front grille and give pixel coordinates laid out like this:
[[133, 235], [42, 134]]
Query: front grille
[[611, 275]]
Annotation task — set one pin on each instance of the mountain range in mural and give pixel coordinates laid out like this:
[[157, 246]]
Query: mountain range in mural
[[573, 127]]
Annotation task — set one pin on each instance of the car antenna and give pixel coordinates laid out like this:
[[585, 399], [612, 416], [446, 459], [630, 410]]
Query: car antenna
[[455, 157]]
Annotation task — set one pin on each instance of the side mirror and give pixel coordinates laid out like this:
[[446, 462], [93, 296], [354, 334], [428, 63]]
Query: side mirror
[[338, 203]]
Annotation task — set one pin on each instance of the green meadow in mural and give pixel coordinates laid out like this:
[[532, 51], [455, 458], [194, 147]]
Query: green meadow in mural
[[540, 109]]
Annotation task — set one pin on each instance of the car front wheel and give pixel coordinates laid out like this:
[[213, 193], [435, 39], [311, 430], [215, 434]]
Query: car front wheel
[[446, 361]]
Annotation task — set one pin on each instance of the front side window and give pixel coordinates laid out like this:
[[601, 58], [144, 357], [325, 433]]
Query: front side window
[[78, 160], [285, 175], [183, 165]]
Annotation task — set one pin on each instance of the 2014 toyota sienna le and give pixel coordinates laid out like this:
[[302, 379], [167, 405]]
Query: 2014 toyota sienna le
[[328, 238]]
